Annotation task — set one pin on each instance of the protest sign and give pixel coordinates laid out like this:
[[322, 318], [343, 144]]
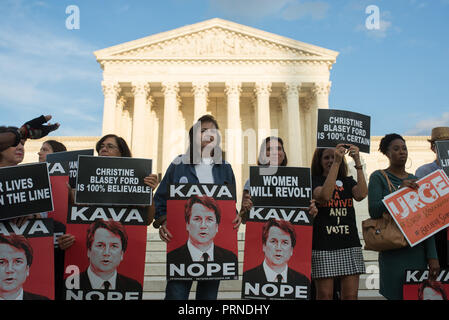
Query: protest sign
[[340, 126], [66, 163], [278, 237], [32, 247], [108, 239], [113, 181], [24, 190], [280, 187], [443, 154], [421, 213], [204, 243], [417, 285]]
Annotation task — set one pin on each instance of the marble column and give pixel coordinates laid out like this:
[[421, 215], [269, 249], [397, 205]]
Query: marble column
[[262, 91], [319, 99], [111, 90], [170, 90], [291, 91], [140, 91], [121, 103], [200, 91], [234, 154]]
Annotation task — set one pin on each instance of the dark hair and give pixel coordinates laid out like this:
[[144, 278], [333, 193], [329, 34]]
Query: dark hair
[[434, 285], [317, 169], [263, 151], [284, 225], [4, 129], [113, 226], [56, 146], [208, 202], [21, 243], [121, 143], [386, 141], [195, 158]]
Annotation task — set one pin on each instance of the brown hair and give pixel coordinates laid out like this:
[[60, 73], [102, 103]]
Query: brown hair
[[113, 226], [317, 169], [208, 202], [263, 151], [434, 285], [121, 143], [281, 224], [21, 243]]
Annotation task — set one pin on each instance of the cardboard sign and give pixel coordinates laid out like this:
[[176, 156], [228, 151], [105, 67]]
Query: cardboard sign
[[280, 187], [417, 285], [33, 243], [278, 238], [340, 126], [204, 243], [113, 181], [66, 163], [443, 154], [421, 213], [108, 239], [24, 190]]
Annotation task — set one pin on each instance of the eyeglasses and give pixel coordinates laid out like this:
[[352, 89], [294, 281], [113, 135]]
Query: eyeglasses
[[108, 146]]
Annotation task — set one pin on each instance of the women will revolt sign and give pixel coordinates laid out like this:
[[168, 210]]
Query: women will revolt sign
[[107, 261], [204, 243], [113, 181], [421, 213], [26, 260], [278, 238], [340, 126], [24, 189]]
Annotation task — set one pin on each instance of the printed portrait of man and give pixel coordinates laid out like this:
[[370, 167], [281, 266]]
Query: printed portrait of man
[[278, 242], [106, 245], [431, 290], [16, 257], [202, 216]]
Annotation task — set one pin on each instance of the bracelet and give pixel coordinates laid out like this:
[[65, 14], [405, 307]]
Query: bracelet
[[358, 167]]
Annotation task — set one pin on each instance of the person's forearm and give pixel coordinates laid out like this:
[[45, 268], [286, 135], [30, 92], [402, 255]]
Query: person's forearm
[[361, 189]]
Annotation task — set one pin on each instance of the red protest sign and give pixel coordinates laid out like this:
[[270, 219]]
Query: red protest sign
[[421, 213]]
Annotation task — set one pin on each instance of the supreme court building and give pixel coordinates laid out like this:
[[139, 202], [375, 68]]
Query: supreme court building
[[253, 82]]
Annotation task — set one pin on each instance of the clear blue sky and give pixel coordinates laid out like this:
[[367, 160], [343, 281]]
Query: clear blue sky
[[397, 74]]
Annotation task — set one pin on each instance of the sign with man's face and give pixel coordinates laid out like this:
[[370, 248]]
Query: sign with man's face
[[204, 243], [418, 286], [110, 247], [26, 260]]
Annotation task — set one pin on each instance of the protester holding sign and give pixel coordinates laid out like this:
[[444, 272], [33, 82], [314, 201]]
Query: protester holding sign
[[394, 263], [438, 134], [271, 153], [112, 146], [12, 156], [202, 163], [336, 248]]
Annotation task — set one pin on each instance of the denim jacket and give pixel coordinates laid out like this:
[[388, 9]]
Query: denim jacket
[[180, 172]]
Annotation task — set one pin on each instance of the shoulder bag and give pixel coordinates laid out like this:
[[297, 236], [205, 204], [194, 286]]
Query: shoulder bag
[[383, 234]]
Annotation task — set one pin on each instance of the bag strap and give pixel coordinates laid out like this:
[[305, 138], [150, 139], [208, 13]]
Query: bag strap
[[390, 185]]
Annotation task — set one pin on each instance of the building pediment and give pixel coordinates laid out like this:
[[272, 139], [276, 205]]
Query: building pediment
[[216, 39]]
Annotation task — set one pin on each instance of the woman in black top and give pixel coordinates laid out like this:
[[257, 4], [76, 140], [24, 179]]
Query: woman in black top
[[336, 248]]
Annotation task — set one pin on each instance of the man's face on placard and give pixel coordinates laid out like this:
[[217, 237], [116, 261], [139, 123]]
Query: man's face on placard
[[202, 226], [14, 269], [106, 252], [278, 247]]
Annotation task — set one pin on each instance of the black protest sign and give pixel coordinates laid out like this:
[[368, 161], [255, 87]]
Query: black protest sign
[[280, 187], [66, 163], [24, 190], [443, 154], [340, 126], [113, 181]]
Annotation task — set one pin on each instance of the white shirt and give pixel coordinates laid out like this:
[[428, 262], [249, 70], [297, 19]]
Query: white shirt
[[204, 170], [197, 254], [19, 297], [272, 275], [97, 283]]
